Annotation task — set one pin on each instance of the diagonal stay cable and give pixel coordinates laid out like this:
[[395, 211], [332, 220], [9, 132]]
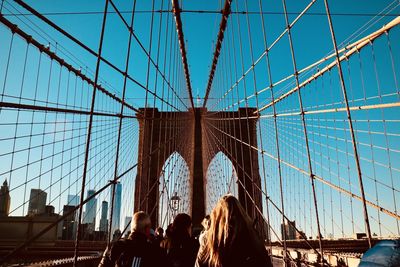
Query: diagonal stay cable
[[176, 9], [224, 21], [155, 64], [85, 47], [221, 146], [321, 179], [14, 28]]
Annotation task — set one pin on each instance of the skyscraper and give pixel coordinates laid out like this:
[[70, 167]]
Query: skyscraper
[[103, 218], [69, 223], [5, 199], [37, 202], [289, 229], [91, 207], [116, 216], [73, 200]]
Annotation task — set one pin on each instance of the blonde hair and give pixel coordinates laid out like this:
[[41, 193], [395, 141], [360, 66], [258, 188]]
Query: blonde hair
[[140, 222], [229, 224]]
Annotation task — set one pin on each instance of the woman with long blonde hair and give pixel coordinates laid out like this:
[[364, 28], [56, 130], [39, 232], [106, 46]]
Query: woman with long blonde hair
[[231, 239]]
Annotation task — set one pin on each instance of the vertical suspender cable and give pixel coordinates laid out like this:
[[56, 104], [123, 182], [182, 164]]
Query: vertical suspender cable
[[120, 124], [353, 138], [87, 148], [304, 127]]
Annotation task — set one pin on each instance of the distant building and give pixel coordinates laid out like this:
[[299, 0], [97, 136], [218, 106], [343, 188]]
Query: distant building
[[49, 210], [73, 200], [300, 235], [359, 235], [289, 229], [37, 202], [87, 231], [103, 218], [89, 235], [91, 210], [116, 216], [5, 199], [69, 223]]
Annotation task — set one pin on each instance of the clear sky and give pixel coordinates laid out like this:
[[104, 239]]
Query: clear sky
[[200, 29], [331, 156]]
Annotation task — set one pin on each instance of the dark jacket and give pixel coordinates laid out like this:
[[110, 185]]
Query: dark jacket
[[181, 252], [133, 251], [157, 240]]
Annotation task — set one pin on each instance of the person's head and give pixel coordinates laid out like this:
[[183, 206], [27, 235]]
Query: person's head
[[116, 234], [206, 222], [182, 224], [181, 230], [141, 223], [168, 231], [152, 235], [160, 232], [229, 223]]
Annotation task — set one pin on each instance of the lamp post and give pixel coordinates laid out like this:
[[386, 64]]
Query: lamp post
[[175, 199]]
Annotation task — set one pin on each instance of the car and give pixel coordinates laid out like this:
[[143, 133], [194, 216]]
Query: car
[[385, 253]]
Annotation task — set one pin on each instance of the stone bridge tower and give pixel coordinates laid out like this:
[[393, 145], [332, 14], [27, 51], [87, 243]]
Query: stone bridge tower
[[160, 134]]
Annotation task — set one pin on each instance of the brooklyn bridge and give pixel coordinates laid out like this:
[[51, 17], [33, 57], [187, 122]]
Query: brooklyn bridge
[[111, 107]]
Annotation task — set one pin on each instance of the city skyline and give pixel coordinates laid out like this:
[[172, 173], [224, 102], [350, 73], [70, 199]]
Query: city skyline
[[37, 206]]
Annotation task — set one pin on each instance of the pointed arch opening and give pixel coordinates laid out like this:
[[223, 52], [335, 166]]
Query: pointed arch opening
[[174, 189], [221, 179]]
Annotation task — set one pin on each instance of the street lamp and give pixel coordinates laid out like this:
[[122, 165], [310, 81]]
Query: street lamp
[[175, 202]]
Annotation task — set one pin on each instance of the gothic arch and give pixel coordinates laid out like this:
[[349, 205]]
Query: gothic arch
[[158, 140], [213, 178], [174, 178], [220, 135]]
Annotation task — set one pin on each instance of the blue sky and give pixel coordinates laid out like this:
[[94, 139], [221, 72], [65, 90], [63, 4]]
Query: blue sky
[[311, 40], [311, 35]]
